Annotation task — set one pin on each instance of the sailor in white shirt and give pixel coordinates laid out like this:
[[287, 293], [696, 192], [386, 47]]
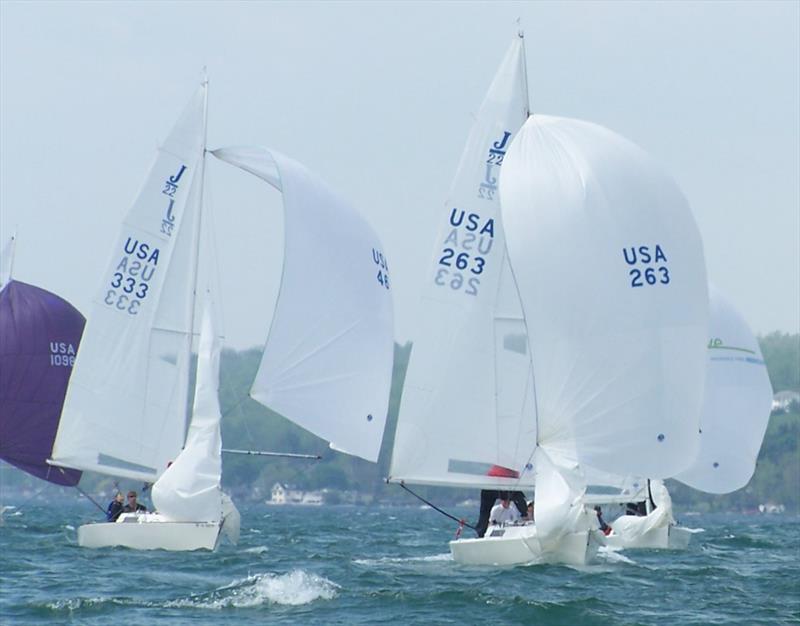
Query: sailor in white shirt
[[504, 513]]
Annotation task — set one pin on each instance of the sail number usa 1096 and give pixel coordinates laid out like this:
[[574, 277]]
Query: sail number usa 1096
[[650, 265]]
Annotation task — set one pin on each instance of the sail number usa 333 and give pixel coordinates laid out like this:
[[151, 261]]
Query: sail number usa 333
[[133, 273]]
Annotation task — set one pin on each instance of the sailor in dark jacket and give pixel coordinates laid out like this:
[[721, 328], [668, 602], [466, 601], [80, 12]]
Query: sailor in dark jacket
[[133, 506], [114, 508]]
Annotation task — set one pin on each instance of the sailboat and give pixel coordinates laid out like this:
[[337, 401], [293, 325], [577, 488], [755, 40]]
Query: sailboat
[[125, 410], [736, 406], [39, 337], [561, 313]]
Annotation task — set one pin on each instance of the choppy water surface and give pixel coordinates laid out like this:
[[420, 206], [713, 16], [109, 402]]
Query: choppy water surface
[[348, 565]]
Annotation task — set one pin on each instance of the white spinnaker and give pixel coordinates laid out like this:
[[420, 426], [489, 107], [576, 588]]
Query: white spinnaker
[[448, 431], [609, 265], [189, 490], [736, 407], [327, 363], [125, 408]]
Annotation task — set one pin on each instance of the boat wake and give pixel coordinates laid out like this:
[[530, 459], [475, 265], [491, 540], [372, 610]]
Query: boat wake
[[609, 555], [411, 559]]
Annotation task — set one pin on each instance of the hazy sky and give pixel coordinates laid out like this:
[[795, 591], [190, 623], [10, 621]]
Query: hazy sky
[[377, 98]]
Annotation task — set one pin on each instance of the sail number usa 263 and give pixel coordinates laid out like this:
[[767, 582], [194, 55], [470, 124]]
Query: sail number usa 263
[[465, 251], [649, 265]]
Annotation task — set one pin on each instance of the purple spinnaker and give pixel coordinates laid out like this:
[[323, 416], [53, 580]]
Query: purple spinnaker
[[39, 337]]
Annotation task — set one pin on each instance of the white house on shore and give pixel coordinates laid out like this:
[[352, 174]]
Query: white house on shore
[[783, 400], [288, 494]]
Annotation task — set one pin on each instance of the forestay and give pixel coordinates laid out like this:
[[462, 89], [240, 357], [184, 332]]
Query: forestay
[[327, 363], [189, 490], [39, 337], [609, 266], [125, 410], [461, 417], [736, 407]]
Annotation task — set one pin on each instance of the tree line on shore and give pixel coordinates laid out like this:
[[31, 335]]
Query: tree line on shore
[[248, 425]]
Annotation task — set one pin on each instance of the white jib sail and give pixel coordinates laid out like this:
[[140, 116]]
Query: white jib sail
[[737, 404], [189, 490], [609, 265], [327, 363], [125, 409], [460, 421]]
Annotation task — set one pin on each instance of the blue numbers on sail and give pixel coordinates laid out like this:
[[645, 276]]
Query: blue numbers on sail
[[132, 276], [465, 252], [383, 268], [649, 265]]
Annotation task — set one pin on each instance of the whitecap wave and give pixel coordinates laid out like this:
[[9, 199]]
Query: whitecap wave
[[295, 588], [257, 550]]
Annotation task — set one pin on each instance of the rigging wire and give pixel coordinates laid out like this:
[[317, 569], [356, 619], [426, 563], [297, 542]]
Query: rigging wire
[[461, 522], [91, 499]]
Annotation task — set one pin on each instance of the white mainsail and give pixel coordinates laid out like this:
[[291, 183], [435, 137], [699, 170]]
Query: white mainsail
[[736, 406], [462, 420], [189, 490], [125, 409], [327, 363]]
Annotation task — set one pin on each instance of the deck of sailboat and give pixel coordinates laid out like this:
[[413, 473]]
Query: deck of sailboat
[[150, 531]]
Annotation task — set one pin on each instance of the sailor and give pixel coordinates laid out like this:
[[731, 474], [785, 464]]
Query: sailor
[[133, 506], [504, 513], [114, 508], [529, 516], [636, 508], [488, 499], [603, 526]]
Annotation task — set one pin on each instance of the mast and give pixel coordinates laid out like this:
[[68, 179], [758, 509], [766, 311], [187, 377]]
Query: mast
[[521, 35], [196, 257]]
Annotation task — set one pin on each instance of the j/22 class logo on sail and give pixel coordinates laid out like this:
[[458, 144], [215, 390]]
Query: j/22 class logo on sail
[[170, 189], [130, 283], [650, 265]]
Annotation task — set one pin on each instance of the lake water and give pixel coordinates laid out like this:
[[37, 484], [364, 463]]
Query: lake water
[[353, 565]]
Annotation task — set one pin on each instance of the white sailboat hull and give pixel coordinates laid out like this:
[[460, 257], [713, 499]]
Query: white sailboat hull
[[150, 531], [518, 545], [669, 537]]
